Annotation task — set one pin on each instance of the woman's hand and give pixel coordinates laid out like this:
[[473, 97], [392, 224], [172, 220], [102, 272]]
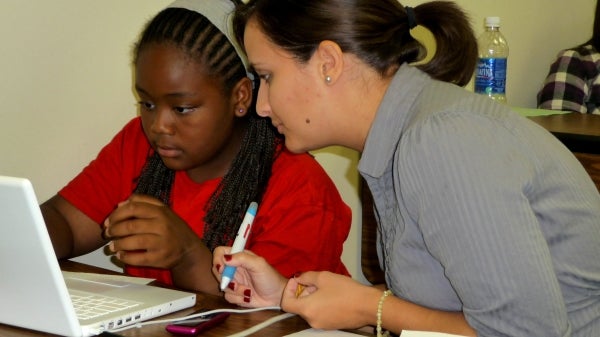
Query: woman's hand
[[255, 283], [331, 301]]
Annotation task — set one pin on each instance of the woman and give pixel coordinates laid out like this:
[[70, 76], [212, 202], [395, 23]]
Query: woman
[[176, 181], [573, 81], [487, 224]]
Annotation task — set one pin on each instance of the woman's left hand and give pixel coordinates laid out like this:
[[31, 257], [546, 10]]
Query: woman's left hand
[[331, 301]]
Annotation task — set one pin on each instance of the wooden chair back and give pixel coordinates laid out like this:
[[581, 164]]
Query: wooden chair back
[[369, 261]]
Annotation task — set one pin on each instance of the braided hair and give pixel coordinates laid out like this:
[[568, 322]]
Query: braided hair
[[248, 176]]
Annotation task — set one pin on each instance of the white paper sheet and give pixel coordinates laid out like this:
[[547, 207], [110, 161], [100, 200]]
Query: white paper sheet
[[324, 333], [337, 333]]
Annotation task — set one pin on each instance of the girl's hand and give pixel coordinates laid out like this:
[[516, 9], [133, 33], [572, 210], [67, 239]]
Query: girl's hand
[[145, 232]]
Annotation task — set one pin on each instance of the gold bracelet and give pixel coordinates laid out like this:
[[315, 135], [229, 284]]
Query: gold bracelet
[[380, 311]]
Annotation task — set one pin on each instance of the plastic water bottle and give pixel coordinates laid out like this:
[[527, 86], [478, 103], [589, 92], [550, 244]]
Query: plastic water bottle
[[490, 76]]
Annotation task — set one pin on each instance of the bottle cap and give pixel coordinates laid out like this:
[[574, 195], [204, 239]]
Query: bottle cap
[[492, 21]]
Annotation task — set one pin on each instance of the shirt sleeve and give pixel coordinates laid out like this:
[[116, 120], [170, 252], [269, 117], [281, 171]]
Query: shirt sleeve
[[302, 222], [468, 191], [565, 88]]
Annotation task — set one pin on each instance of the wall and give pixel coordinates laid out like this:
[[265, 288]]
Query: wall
[[535, 30], [65, 81], [65, 85]]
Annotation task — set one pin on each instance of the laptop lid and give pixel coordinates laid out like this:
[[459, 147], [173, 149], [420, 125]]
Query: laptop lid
[[33, 292]]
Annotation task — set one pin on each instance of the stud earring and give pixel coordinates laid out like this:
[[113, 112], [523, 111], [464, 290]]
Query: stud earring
[[241, 110], [328, 79]]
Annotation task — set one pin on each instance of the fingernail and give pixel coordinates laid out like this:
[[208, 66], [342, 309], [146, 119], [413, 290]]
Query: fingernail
[[297, 274], [231, 285], [218, 266], [227, 257], [247, 295], [111, 246]]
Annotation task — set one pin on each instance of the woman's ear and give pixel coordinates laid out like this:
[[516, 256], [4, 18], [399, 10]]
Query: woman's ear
[[330, 60], [242, 96]]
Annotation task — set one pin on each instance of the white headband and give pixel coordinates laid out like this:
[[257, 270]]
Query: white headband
[[220, 14]]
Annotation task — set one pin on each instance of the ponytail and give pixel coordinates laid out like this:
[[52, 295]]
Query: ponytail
[[456, 46], [377, 32]]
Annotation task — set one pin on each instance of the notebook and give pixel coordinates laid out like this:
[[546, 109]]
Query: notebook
[[35, 295]]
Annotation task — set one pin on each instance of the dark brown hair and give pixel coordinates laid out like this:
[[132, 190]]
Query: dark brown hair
[[375, 31], [595, 40]]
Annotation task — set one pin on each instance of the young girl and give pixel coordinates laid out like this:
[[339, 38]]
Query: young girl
[[487, 224], [175, 182]]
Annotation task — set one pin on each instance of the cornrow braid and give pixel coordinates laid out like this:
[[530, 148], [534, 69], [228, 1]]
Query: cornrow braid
[[250, 171]]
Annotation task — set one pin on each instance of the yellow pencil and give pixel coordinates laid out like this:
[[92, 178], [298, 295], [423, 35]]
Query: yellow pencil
[[299, 290]]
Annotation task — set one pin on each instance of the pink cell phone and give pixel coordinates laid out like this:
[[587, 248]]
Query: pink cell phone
[[191, 328]]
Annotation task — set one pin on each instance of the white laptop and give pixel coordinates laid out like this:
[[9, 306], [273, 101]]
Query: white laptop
[[33, 292]]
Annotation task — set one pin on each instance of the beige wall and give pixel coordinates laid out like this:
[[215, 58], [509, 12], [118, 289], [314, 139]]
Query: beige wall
[[65, 80], [535, 30]]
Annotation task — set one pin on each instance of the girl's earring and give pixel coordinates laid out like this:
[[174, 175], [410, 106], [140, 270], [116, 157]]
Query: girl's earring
[[241, 110], [328, 79]]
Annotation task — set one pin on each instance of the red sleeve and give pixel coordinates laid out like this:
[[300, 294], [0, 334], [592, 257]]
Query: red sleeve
[[110, 178], [302, 221]]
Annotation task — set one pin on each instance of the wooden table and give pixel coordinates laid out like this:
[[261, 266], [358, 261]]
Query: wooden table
[[581, 134], [234, 323]]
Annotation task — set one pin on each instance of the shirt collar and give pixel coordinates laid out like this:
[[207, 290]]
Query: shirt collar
[[392, 116]]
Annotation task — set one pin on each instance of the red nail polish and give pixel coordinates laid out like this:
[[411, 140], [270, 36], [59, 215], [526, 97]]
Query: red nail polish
[[247, 293], [247, 299], [231, 285], [227, 257], [218, 266], [297, 274]]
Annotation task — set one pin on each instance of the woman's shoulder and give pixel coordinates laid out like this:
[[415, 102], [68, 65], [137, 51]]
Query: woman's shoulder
[[585, 52], [586, 49], [582, 61]]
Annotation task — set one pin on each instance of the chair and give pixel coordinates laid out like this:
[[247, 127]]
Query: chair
[[369, 261]]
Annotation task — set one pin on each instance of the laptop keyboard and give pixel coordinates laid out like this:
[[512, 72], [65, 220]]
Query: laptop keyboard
[[90, 306]]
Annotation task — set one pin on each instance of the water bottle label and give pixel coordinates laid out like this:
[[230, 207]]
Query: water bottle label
[[490, 77]]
